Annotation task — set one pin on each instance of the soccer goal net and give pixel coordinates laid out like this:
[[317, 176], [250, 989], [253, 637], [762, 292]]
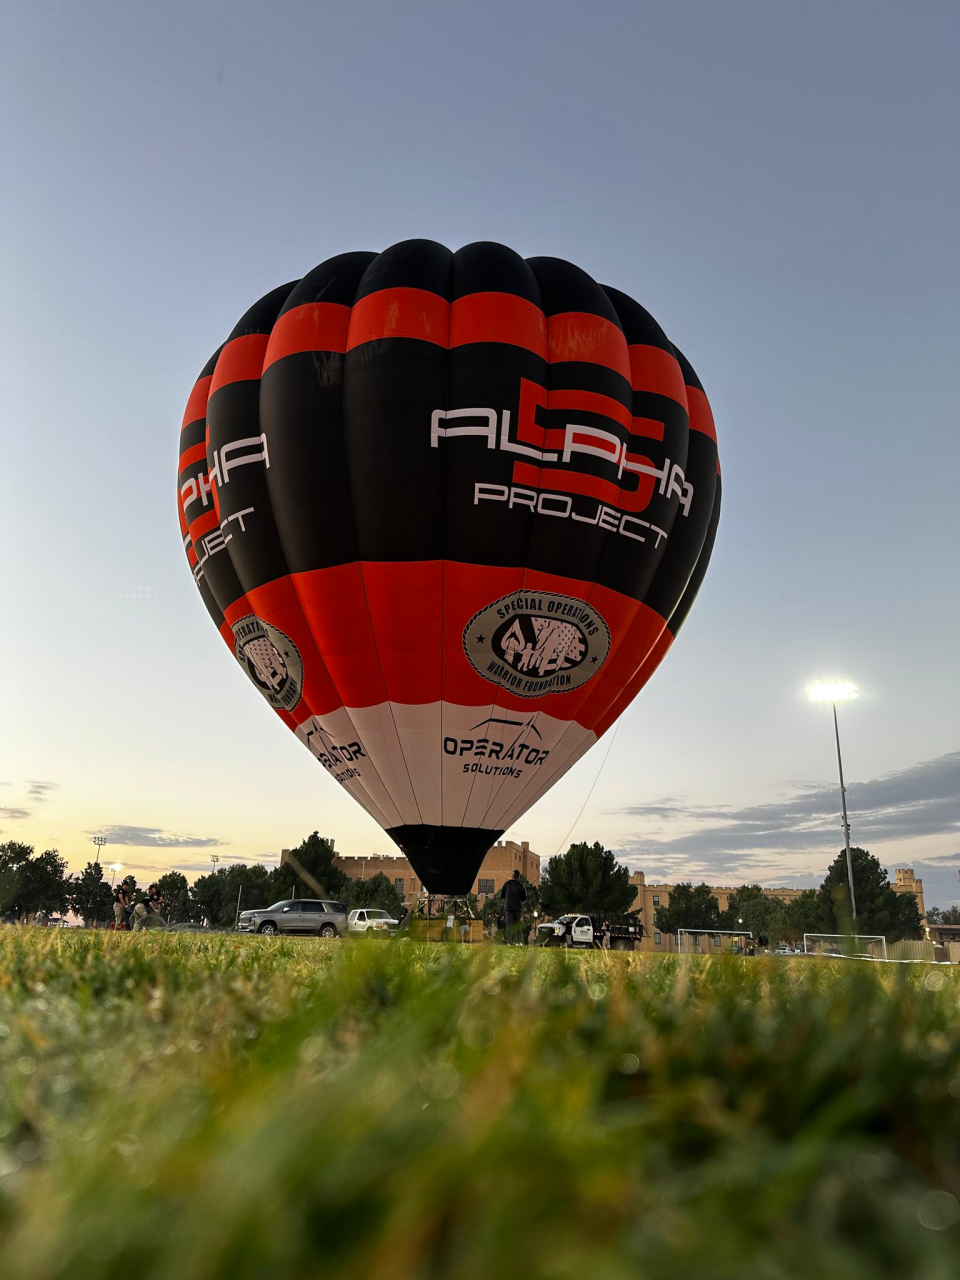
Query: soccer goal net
[[870, 946], [704, 942]]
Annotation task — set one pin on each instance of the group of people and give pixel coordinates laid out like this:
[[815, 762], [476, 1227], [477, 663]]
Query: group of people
[[129, 914]]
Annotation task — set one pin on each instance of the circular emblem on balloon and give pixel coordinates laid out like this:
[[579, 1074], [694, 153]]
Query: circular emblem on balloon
[[535, 642], [270, 659]]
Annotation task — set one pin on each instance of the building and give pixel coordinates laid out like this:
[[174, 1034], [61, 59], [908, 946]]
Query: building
[[907, 882], [651, 896], [498, 866], [941, 934]]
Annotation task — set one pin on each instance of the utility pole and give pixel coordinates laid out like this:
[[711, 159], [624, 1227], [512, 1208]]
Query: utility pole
[[834, 691], [846, 823]]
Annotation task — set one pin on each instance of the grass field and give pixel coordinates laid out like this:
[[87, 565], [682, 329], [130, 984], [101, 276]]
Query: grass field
[[180, 1107]]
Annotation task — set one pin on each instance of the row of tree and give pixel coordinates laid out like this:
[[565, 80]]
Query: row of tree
[[31, 883], [880, 910], [586, 878]]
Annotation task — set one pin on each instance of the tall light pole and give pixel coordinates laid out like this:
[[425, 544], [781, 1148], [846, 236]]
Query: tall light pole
[[99, 841], [834, 691], [115, 867]]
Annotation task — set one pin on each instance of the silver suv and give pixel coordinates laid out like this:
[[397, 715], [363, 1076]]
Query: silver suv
[[297, 915]]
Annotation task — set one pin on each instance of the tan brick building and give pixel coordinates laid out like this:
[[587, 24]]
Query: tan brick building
[[651, 896], [503, 859], [907, 882]]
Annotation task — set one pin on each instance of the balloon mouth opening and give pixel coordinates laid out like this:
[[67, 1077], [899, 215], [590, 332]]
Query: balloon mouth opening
[[445, 859]]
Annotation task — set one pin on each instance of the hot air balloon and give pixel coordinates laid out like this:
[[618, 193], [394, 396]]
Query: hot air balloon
[[448, 510]]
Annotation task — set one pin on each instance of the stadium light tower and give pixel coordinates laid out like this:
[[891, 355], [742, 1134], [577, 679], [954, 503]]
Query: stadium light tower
[[834, 691], [99, 841]]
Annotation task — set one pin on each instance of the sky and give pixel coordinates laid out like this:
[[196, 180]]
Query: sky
[[777, 183]]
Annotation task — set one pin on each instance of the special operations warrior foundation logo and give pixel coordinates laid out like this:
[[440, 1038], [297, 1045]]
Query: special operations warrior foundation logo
[[533, 643], [270, 659]]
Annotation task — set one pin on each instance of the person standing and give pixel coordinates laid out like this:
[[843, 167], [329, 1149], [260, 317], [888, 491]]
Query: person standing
[[125, 894], [513, 895]]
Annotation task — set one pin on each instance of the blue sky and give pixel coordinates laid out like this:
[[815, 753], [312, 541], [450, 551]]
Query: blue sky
[[777, 184]]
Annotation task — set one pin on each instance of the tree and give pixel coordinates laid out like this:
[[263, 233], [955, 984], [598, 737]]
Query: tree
[[249, 885], [12, 857], [206, 894], [316, 856], [943, 915], [586, 878], [689, 908], [175, 892], [215, 896], [31, 882], [808, 914], [731, 917], [765, 917], [90, 896], [378, 891], [879, 909]]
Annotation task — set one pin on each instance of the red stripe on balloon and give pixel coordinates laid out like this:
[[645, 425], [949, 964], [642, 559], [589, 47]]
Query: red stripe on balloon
[[399, 313], [498, 317], [387, 630], [652, 369], [406, 612], [193, 454], [316, 326], [701, 415], [579, 335], [240, 361], [197, 404], [640, 677]]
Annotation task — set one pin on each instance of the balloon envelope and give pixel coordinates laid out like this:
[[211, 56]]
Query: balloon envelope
[[448, 512]]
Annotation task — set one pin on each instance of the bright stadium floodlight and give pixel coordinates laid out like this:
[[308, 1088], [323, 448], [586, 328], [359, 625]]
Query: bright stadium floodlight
[[834, 691]]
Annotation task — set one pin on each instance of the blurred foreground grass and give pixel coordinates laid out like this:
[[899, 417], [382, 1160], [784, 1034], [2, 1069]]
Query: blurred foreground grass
[[182, 1106]]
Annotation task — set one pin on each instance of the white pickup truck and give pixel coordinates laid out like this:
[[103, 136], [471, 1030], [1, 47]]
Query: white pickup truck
[[371, 920]]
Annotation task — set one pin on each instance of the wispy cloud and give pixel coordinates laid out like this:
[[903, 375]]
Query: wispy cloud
[[711, 840], [919, 801], [39, 790], [14, 813], [153, 838]]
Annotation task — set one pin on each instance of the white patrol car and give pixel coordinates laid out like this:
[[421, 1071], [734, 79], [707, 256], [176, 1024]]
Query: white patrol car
[[568, 931]]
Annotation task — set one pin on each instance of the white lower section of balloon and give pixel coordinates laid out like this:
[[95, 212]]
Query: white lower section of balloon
[[441, 764]]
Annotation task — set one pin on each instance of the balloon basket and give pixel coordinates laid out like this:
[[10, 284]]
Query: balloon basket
[[439, 919]]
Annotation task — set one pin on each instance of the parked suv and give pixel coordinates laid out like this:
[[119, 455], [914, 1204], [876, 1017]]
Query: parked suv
[[297, 915]]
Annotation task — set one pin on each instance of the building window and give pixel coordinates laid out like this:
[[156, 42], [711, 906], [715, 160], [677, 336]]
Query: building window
[[656, 899], [657, 939], [716, 939], [398, 885], [484, 886]]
